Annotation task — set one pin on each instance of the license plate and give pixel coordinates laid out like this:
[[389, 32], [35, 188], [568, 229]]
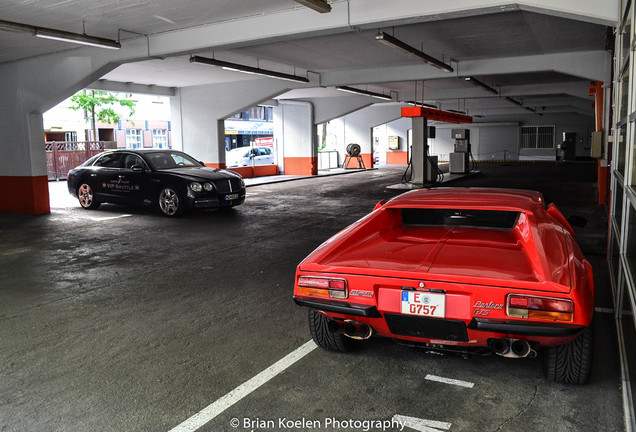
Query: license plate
[[231, 197], [423, 304]]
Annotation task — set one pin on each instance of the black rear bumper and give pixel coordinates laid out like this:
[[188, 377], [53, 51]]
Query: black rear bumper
[[340, 307], [525, 329]]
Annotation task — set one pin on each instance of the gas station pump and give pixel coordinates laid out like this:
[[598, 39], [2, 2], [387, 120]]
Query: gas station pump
[[423, 166], [459, 162]]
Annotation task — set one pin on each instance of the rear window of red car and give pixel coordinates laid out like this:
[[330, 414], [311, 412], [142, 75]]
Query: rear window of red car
[[459, 217]]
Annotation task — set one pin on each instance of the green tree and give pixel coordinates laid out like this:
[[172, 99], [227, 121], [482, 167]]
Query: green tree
[[100, 105]]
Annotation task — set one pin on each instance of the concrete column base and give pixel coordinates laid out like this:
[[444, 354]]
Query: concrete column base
[[24, 195]]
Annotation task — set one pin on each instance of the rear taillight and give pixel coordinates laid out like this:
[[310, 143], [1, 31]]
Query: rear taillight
[[323, 287], [533, 307]]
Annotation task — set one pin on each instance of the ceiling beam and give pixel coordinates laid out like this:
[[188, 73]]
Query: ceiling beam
[[132, 88], [589, 65]]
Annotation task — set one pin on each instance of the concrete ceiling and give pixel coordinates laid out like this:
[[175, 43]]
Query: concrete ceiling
[[540, 57]]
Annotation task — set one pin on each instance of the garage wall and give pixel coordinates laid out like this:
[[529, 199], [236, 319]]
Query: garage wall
[[295, 138], [500, 141]]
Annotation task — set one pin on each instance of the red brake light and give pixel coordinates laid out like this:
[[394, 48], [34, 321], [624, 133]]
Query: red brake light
[[339, 284], [518, 301], [535, 307], [323, 287]]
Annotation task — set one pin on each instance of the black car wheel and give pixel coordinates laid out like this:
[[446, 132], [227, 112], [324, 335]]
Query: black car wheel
[[570, 363], [325, 338], [170, 202], [86, 197]]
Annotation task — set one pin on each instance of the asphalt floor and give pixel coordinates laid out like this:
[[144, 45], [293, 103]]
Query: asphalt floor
[[120, 319]]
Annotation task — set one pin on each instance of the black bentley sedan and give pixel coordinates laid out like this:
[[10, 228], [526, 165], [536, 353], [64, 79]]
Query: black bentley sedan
[[169, 179]]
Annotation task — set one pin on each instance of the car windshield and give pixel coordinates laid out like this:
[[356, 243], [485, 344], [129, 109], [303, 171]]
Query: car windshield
[[459, 217], [169, 160]]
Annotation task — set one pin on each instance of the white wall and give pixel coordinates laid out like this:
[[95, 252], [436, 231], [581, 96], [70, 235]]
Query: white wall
[[294, 131], [199, 129], [500, 140]]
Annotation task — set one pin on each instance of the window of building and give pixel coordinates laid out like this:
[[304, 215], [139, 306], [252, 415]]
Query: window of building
[[258, 113], [133, 138], [70, 136], [537, 137], [160, 138]]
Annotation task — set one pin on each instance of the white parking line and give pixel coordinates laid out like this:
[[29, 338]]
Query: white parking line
[[211, 411], [449, 381], [422, 425], [100, 219]]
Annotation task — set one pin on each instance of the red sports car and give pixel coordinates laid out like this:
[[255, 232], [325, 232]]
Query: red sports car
[[465, 270]]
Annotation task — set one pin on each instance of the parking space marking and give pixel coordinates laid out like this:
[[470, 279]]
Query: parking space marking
[[422, 425], [101, 219], [450, 381], [211, 411], [604, 310]]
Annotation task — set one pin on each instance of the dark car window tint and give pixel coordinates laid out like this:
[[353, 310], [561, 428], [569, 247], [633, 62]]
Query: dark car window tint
[[169, 160], [460, 217], [111, 160], [131, 160], [265, 152]]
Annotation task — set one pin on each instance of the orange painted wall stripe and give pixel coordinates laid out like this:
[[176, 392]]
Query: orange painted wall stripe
[[24, 195], [215, 165], [301, 165], [396, 158], [265, 170], [366, 158], [249, 172], [245, 172]]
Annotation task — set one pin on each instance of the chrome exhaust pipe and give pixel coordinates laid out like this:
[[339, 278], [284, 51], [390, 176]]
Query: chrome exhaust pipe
[[357, 330], [334, 326], [500, 346], [520, 348], [512, 348]]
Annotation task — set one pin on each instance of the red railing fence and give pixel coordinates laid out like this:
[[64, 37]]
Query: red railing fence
[[63, 156]]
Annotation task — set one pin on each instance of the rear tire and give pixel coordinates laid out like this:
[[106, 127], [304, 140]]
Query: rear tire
[[325, 338], [570, 363], [86, 197]]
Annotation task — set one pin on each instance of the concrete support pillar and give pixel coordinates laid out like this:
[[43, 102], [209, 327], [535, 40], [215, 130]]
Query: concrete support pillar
[[295, 138], [198, 114], [27, 89], [419, 150], [24, 181]]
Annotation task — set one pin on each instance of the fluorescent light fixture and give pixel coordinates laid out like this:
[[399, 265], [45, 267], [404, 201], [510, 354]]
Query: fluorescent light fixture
[[318, 5], [247, 69], [396, 43], [364, 92], [77, 38], [60, 35], [477, 83]]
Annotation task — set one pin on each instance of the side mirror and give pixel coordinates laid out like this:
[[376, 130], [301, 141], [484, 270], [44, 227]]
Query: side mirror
[[137, 168]]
